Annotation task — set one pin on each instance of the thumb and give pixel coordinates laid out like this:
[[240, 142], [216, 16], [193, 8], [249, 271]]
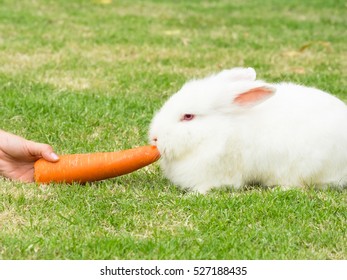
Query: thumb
[[43, 150]]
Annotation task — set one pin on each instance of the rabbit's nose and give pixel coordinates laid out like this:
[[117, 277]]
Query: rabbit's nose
[[154, 140]]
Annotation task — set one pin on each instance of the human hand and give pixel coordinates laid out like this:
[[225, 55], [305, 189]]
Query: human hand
[[18, 155]]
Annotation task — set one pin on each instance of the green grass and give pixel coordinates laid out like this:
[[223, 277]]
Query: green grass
[[85, 76]]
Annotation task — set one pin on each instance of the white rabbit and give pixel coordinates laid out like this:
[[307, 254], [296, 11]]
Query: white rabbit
[[231, 130]]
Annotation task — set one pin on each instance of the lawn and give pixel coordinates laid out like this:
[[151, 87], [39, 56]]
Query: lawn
[[87, 76]]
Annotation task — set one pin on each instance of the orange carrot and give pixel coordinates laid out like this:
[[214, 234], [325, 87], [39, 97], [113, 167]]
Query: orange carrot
[[94, 166]]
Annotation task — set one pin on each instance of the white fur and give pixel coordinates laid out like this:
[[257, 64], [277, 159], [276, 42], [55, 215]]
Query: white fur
[[293, 138]]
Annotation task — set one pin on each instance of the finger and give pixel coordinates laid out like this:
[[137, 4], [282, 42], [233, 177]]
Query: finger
[[50, 156], [43, 150]]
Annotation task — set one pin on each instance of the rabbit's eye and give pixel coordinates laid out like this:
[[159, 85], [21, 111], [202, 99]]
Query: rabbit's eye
[[188, 117]]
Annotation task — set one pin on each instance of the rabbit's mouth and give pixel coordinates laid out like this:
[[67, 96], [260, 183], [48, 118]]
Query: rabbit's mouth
[[164, 153], [167, 152], [154, 142]]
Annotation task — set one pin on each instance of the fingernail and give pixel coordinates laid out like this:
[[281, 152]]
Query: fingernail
[[54, 156]]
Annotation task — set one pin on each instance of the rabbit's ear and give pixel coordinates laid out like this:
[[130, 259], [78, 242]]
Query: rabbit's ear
[[238, 74], [254, 96]]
